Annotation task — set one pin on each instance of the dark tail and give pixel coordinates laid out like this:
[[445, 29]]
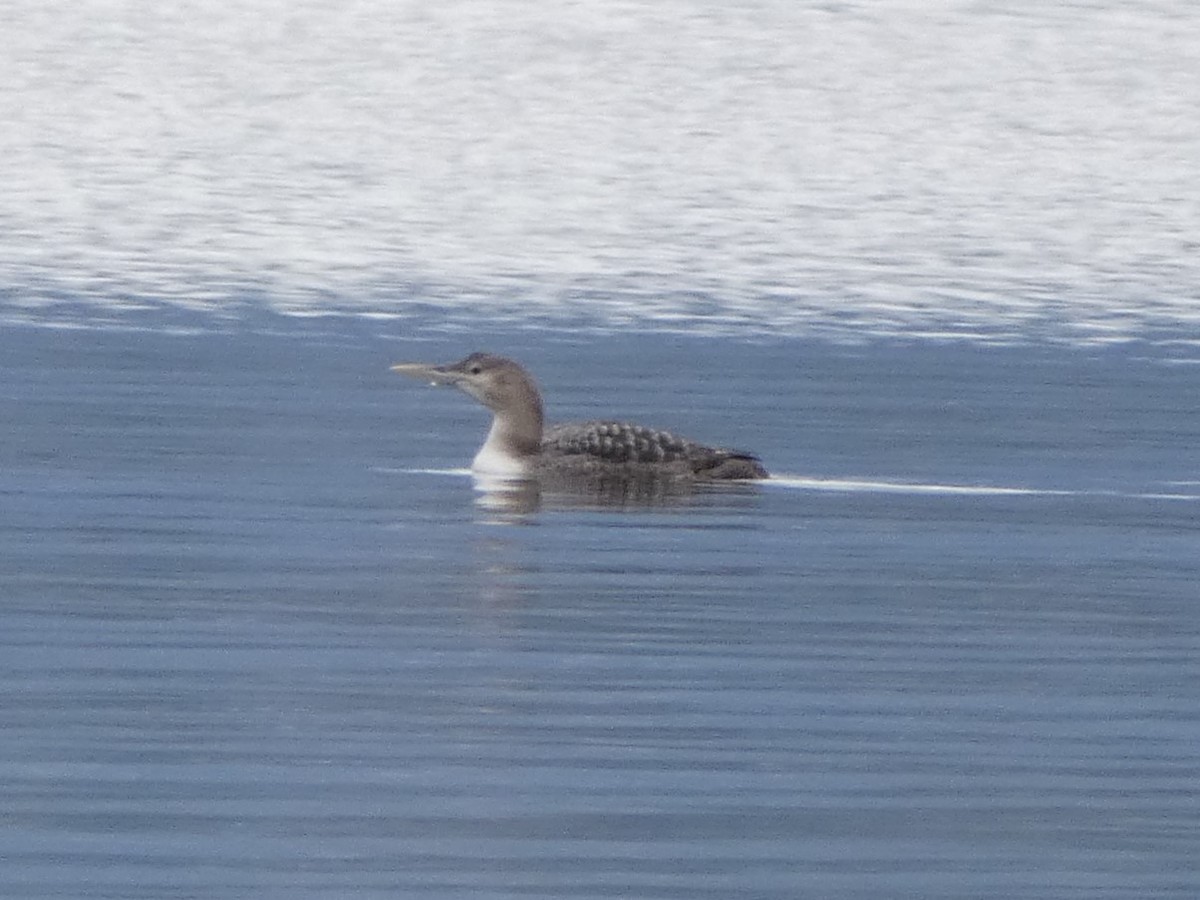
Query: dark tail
[[731, 465]]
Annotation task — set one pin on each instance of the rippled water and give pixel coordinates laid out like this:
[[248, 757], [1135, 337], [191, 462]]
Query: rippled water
[[260, 638], [976, 169], [260, 634]]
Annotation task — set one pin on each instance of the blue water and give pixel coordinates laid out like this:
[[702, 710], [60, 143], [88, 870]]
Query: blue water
[[261, 634], [252, 645]]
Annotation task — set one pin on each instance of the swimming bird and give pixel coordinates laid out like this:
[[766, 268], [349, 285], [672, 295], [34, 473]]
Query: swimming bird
[[519, 446]]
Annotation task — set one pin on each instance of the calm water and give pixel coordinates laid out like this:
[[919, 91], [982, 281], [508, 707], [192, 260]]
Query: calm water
[[936, 262], [249, 647]]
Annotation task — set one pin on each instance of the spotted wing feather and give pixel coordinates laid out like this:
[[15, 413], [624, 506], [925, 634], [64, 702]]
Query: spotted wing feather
[[623, 444]]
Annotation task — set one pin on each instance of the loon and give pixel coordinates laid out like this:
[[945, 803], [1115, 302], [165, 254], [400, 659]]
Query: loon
[[518, 446]]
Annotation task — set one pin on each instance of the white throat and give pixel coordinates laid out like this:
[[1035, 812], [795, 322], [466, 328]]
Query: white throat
[[496, 458]]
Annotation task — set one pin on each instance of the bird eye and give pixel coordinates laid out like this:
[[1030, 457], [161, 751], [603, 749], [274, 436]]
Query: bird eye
[[476, 369]]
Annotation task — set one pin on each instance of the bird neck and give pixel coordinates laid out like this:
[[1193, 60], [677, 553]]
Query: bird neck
[[515, 438]]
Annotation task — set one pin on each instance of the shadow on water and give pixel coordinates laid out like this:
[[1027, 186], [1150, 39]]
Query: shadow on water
[[521, 498]]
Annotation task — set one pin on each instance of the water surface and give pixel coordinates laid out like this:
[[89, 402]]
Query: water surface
[[988, 170], [261, 636], [253, 644]]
